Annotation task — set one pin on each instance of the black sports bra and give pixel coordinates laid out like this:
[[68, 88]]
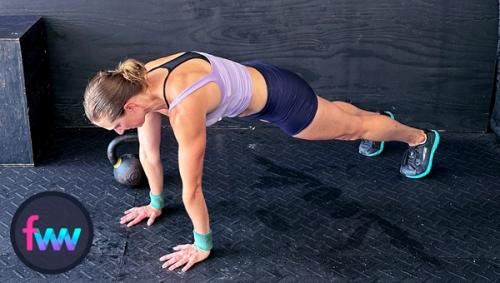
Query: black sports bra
[[174, 63]]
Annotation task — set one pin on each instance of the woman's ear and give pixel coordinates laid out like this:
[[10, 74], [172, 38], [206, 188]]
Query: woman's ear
[[130, 106], [134, 103]]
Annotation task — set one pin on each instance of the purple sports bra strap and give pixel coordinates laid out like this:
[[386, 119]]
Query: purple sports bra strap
[[190, 89]]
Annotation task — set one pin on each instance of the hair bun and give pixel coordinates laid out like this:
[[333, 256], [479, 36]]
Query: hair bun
[[132, 70]]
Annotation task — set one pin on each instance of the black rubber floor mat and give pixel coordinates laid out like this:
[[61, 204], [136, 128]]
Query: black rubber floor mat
[[280, 209]]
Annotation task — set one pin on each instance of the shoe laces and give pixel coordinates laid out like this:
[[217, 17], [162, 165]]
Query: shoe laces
[[370, 143], [413, 157]]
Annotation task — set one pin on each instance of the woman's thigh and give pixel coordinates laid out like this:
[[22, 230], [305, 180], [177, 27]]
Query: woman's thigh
[[331, 122]]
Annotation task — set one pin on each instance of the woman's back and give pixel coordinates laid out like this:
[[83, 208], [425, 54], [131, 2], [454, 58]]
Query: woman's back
[[225, 86]]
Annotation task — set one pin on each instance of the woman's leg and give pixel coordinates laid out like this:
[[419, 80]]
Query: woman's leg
[[344, 121], [351, 109]]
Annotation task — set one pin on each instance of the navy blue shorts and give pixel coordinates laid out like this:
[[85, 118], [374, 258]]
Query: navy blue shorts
[[291, 102]]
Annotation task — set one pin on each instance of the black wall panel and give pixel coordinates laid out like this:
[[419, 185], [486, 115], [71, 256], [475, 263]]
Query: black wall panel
[[432, 62], [495, 105]]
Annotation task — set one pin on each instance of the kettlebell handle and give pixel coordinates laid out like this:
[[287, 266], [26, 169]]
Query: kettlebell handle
[[113, 145]]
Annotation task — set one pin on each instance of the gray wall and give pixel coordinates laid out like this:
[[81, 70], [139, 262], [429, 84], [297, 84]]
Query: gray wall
[[431, 62]]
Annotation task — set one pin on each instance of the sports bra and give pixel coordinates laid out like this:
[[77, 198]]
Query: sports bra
[[174, 63], [232, 78]]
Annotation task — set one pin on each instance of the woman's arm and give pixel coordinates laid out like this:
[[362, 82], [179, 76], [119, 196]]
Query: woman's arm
[[149, 151], [149, 155], [188, 124]]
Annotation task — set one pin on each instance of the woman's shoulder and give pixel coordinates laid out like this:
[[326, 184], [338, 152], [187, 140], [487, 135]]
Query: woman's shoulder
[[162, 60]]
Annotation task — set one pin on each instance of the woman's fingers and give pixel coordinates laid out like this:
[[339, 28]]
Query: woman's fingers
[[165, 257], [129, 210], [127, 218], [135, 215], [137, 219], [170, 261], [152, 218], [190, 263], [169, 256], [180, 262], [186, 255]]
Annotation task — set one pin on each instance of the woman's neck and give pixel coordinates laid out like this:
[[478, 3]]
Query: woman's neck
[[155, 101]]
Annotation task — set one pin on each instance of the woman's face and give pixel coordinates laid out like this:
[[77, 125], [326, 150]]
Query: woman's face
[[133, 117]]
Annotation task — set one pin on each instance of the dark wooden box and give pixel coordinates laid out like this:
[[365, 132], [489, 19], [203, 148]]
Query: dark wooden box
[[25, 100]]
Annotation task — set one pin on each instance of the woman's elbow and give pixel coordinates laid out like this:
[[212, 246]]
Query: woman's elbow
[[152, 158], [188, 196]]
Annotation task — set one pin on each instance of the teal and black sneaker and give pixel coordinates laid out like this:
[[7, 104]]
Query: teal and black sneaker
[[417, 160], [372, 148]]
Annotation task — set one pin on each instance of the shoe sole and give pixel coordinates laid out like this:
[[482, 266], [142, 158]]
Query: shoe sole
[[429, 166], [378, 152]]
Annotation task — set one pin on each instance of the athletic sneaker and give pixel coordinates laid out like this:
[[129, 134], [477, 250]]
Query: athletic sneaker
[[372, 148], [417, 160]]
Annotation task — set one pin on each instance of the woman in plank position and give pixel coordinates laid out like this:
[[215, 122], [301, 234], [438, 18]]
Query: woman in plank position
[[197, 89]]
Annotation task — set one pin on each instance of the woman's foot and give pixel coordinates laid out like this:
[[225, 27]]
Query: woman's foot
[[372, 148], [417, 160]]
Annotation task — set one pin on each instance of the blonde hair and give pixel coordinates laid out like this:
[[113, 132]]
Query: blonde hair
[[108, 91]]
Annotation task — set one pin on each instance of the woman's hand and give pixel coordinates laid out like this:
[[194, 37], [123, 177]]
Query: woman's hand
[[185, 254], [137, 214]]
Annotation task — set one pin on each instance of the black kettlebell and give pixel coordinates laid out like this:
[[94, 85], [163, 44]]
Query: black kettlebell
[[127, 168]]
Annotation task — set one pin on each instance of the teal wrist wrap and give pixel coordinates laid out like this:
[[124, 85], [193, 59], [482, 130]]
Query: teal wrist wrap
[[203, 241], [157, 200]]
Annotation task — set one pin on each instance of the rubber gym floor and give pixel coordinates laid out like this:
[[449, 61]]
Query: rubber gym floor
[[281, 209]]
